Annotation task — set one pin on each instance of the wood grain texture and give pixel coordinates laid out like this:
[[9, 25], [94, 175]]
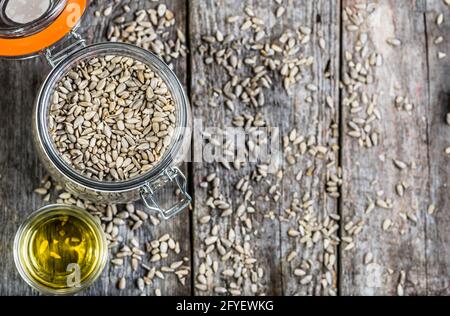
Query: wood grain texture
[[19, 166], [371, 173], [205, 18], [272, 244], [21, 171], [416, 244], [315, 121], [178, 227], [437, 225]]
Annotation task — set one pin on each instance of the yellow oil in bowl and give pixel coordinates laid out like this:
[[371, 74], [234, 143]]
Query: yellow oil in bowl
[[60, 250]]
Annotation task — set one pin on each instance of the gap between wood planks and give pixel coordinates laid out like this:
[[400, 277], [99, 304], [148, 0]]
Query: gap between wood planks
[[341, 144], [191, 185]]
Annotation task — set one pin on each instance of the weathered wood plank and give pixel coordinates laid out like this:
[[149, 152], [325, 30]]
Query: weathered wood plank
[[285, 112], [319, 125], [370, 173], [19, 167], [178, 227], [205, 18], [418, 138], [21, 171], [437, 225]]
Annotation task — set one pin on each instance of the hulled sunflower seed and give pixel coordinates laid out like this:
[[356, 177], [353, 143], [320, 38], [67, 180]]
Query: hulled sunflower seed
[[106, 137]]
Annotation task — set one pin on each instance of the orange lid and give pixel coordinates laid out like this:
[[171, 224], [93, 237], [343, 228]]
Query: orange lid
[[45, 36]]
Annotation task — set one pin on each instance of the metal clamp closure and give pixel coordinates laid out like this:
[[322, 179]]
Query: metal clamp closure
[[169, 176], [54, 56]]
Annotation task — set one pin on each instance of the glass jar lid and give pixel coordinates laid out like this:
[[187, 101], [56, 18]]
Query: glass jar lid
[[29, 26]]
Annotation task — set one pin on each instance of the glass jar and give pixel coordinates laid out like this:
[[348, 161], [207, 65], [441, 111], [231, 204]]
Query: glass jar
[[63, 56], [60, 264], [144, 186]]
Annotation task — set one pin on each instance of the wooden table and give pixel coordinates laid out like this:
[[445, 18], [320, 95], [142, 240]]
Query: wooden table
[[417, 245]]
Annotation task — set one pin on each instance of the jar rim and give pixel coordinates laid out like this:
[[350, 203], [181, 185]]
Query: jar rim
[[182, 129], [23, 41], [12, 29], [77, 212]]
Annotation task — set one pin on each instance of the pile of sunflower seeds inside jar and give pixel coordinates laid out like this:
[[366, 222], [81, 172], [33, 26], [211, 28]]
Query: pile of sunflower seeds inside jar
[[112, 118]]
